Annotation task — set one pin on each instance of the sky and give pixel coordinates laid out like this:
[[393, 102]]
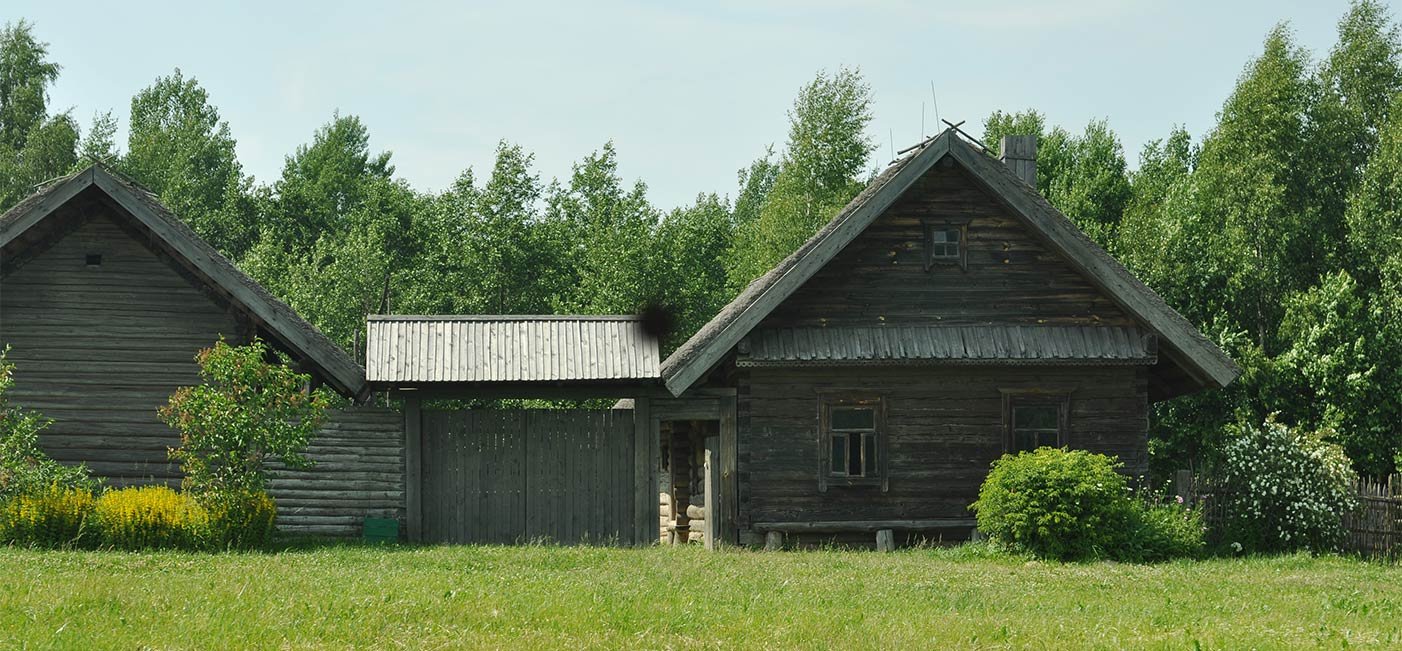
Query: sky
[[689, 92]]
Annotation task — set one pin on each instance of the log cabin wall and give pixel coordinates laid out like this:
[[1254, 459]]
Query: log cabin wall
[[1011, 277], [943, 425], [358, 473], [100, 344]]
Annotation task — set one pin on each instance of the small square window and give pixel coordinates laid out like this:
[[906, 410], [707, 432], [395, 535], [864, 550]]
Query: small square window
[[851, 442], [1035, 421], [945, 244], [93, 260]]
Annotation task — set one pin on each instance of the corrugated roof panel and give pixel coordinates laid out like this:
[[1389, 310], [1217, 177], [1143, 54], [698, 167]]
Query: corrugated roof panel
[[411, 349], [966, 344]]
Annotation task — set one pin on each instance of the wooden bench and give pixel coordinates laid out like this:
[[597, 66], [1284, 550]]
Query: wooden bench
[[884, 529]]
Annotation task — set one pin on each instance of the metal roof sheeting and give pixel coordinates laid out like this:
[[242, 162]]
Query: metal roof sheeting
[[950, 344], [429, 349]]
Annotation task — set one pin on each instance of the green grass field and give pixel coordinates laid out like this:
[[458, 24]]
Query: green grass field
[[534, 597]]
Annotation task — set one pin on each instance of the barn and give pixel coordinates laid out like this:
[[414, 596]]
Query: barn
[[105, 297], [858, 391]]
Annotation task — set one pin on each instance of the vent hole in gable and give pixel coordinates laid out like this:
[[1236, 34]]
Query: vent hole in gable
[[93, 260]]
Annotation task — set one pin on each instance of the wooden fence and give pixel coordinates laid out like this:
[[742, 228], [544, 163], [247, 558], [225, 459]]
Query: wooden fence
[[524, 475], [1374, 528]]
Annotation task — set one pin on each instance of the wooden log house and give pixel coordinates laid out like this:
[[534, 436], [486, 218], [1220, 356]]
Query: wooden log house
[[946, 316], [105, 298]]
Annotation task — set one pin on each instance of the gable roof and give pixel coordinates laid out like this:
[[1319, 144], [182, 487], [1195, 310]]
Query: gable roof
[[1206, 364], [292, 331]]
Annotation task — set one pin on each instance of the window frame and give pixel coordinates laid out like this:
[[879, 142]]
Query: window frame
[[1059, 398], [933, 224], [826, 403]]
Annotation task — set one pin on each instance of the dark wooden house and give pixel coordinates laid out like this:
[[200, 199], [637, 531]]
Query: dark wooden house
[[105, 297], [947, 315]]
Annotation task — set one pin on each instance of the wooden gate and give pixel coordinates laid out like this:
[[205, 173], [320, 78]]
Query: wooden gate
[[511, 476]]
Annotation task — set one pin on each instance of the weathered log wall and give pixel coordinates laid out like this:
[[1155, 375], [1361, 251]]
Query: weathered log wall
[[944, 426], [358, 473], [1012, 278], [98, 348]]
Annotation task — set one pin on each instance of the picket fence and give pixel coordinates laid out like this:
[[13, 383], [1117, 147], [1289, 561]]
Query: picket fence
[[1374, 528]]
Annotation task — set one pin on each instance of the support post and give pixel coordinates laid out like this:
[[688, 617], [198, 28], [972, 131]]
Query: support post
[[728, 506], [712, 468], [646, 462], [885, 540], [773, 541], [413, 469]]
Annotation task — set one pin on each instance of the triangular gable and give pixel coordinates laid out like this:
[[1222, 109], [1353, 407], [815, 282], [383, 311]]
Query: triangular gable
[[1198, 356], [290, 329]]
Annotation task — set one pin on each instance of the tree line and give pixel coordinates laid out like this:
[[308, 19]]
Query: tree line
[[1276, 231]]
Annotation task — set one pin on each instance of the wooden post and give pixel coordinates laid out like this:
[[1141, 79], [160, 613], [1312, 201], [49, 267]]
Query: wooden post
[[413, 469], [712, 467], [1183, 485], [885, 540], [728, 505], [773, 541], [646, 511]]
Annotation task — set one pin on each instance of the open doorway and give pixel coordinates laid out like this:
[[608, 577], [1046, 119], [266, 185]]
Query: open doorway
[[688, 481]]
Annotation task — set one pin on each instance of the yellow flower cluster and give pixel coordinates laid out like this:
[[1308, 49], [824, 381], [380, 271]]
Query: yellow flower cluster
[[151, 517], [53, 517]]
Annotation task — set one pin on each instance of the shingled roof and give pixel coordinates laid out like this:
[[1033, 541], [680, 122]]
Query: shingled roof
[[1182, 343], [274, 316]]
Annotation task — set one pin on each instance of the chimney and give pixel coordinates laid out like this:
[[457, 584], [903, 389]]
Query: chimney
[[1020, 155]]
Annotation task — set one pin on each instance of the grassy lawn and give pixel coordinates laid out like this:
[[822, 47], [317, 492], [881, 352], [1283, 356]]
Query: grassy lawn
[[450, 597]]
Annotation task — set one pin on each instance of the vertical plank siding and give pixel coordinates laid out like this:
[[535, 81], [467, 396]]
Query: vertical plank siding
[[99, 349], [358, 473], [504, 477]]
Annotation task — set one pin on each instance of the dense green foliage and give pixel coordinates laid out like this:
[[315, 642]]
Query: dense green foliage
[[246, 413], [1283, 489], [1277, 232], [1071, 505], [542, 597], [24, 468]]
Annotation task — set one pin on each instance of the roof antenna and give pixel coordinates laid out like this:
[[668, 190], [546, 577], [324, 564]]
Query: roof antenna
[[936, 100], [893, 144], [922, 120]]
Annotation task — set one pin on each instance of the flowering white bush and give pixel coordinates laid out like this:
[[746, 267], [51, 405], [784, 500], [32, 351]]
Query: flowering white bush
[[1283, 488]]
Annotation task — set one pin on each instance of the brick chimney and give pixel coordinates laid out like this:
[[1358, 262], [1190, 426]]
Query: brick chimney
[[1019, 153]]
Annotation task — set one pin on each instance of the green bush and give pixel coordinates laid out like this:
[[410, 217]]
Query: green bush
[[150, 517], [1055, 503], [1072, 505], [240, 519], [55, 517], [24, 468], [1282, 488], [1160, 532]]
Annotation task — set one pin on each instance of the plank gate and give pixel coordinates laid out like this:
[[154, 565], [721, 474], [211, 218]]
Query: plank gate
[[512, 476]]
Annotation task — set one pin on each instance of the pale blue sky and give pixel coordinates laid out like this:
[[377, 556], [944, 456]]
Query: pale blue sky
[[689, 91]]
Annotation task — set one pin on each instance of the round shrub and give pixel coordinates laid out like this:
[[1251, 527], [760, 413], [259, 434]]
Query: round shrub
[[240, 519], [54, 517], [1055, 503], [1282, 488], [150, 517]]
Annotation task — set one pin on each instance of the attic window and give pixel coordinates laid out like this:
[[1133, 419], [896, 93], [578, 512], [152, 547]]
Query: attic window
[[945, 243], [93, 260]]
